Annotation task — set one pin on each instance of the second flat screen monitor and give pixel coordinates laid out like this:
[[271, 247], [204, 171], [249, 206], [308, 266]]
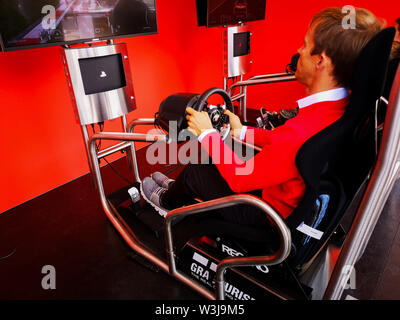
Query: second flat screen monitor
[[231, 12]]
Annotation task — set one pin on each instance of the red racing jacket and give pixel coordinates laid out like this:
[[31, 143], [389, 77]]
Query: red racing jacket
[[273, 169]]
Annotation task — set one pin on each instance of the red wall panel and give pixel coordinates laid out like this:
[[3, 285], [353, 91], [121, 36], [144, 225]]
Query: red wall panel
[[41, 143]]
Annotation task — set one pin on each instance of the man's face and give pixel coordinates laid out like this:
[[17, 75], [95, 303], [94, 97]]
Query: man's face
[[306, 66]]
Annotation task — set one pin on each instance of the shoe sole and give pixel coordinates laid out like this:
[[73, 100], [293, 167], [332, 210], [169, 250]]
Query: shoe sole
[[162, 212]]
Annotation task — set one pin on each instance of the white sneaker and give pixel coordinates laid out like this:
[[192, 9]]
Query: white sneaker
[[152, 192]]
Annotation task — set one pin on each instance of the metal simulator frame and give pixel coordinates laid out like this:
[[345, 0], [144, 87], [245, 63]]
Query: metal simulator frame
[[381, 182]]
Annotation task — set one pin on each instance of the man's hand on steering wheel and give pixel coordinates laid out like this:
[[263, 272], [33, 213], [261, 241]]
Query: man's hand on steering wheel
[[198, 121], [236, 125]]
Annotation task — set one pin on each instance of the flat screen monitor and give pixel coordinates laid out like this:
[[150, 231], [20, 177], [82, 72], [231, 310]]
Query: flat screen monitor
[[213, 13], [102, 74], [28, 24]]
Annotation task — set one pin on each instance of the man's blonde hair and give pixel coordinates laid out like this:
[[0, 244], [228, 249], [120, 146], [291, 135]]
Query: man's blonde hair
[[343, 45]]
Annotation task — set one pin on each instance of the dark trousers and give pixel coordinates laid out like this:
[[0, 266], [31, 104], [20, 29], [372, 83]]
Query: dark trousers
[[205, 182]]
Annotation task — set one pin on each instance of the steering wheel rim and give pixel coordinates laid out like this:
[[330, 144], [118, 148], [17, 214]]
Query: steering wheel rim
[[202, 102]]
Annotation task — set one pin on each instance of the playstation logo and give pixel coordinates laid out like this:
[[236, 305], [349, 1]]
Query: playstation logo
[[103, 74]]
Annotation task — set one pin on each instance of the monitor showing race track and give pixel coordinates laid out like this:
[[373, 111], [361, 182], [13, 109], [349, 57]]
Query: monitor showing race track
[[28, 24]]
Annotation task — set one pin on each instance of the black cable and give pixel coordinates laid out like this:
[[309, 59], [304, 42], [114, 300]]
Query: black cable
[[173, 169], [156, 124], [101, 127], [122, 177], [158, 127], [9, 255], [98, 146]]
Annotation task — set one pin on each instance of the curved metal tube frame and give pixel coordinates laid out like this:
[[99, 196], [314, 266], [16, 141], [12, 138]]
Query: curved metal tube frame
[[385, 173], [271, 75], [276, 258], [170, 267], [261, 79], [131, 127]]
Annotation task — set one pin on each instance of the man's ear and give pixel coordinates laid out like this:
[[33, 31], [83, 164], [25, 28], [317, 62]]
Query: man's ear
[[324, 61]]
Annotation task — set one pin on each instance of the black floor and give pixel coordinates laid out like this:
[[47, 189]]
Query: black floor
[[67, 228]]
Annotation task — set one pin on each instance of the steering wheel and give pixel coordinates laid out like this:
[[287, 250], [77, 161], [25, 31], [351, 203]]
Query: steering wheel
[[216, 113]]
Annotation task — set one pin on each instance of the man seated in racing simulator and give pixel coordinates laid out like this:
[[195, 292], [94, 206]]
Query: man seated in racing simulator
[[325, 67]]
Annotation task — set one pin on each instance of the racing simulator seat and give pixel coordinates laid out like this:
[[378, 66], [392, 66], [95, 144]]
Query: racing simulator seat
[[346, 182]]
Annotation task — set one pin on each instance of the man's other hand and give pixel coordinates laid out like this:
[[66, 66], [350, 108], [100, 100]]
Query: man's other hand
[[236, 125]]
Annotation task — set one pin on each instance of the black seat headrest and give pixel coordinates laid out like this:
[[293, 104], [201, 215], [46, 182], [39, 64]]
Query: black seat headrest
[[370, 73]]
